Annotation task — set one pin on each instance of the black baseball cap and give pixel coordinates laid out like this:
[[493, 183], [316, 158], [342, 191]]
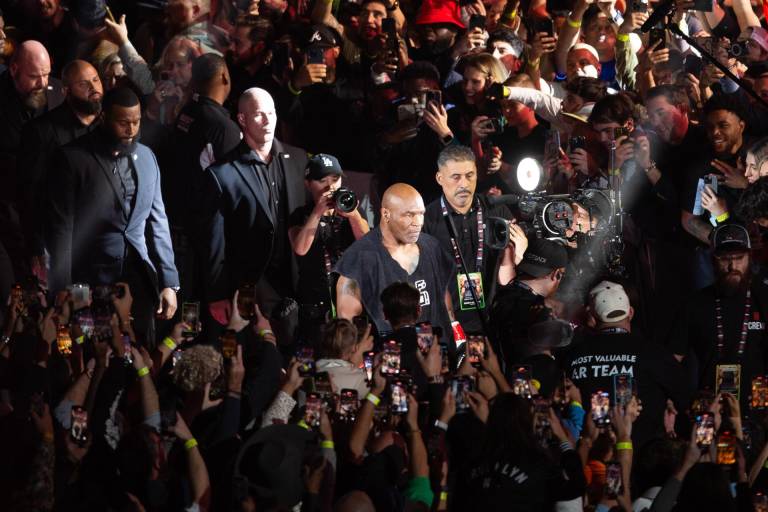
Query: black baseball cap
[[322, 165], [323, 37], [89, 14], [730, 237], [542, 257]]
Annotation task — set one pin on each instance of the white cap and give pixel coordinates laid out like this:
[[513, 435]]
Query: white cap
[[610, 302], [588, 47]]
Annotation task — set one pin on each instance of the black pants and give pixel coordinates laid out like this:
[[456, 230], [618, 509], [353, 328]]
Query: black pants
[[145, 298]]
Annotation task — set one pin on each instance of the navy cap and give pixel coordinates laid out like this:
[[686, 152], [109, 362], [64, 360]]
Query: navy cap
[[542, 257], [322, 165]]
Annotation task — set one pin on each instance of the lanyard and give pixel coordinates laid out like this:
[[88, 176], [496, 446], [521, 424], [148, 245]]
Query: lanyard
[[333, 241], [719, 322], [480, 235]]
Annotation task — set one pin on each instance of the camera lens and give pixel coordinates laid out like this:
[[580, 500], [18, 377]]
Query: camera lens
[[346, 200]]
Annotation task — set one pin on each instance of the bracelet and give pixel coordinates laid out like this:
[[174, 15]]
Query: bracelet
[[574, 403], [303, 424], [512, 15], [436, 379], [625, 445], [293, 91], [373, 399], [441, 425], [411, 432], [264, 332], [142, 372], [327, 444], [443, 496], [190, 443], [168, 342], [723, 217], [573, 24], [535, 384], [80, 339], [534, 63], [622, 37]]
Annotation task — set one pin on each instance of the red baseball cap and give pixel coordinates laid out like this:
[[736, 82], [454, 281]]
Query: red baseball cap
[[433, 12]]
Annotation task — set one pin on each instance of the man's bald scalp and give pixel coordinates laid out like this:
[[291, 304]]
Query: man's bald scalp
[[74, 68], [30, 49], [397, 194], [253, 95]]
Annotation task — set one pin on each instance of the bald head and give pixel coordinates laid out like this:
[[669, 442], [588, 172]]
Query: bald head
[[257, 117], [355, 501], [30, 69], [402, 212], [83, 87]]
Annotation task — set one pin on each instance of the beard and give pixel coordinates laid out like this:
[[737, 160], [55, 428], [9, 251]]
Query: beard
[[85, 107], [118, 146], [732, 284], [36, 99]]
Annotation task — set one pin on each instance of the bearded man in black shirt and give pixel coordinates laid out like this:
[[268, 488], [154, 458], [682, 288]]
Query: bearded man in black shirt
[[725, 323]]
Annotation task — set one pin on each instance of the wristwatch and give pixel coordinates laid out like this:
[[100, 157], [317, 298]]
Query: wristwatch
[[436, 379], [447, 140], [651, 166]]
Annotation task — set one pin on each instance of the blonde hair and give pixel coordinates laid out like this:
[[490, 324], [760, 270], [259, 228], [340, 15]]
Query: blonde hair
[[183, 45], [198, 366], [339, 336], [486, 64]]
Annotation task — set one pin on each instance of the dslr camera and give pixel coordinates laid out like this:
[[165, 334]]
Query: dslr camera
[[345, 200]]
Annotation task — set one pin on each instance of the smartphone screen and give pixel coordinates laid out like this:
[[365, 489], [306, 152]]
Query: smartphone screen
[[246, 300], [578, 142], [190, 314], [64, 341], [613, 485], [322, 384], [657, 34], [705, 429], [81, 292], [368, 361], [545, 25], [306, 358], [398, 397], [600, 405], [622, 389], [459, 387], [348, 405], [728, 379], [521, 381], [79, 427], [477, 21], [315, 55], [759, 393], [543, 428], [390, 358], [445, 365], [726, 448], [312, 410], [228, 343], [475, 349], [127, 349], [424, 336]]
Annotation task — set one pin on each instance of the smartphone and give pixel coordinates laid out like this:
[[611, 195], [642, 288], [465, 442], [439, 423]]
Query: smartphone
[[398, 397], [622, 389], [578, 142], [710, 180], [312, 409], [613, 483], [348, 405], [657, 34], [281, 54], [127, 349], [705, 429], [84, 319], [102, 330], [228, 343], [434, 96], [424, 336], [702, 402], [322, 384], [545, 25], [445, 363], [693, 65], [176, 357], [728, 379], [459, 387], [621, 131], [79, 426], [80, 292], [246, 300], [475, 349], [315, 55], [476, 21], [759, 393], [726, 448], [639, 6], [190, 315], [521, 381], [542, 426], [165, 76], [64, 340], [390, 358], [600, 404], [368, 362], [702, 5], [306, 358]]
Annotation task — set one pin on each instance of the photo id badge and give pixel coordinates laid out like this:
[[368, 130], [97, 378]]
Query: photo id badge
[[466, 301]]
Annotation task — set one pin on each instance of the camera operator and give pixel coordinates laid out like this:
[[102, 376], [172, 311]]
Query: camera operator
[[523, 302], [319, 234], [457, 176]]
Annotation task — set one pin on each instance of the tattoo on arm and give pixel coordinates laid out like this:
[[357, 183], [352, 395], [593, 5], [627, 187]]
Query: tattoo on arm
[[698, 228], [350, 287]]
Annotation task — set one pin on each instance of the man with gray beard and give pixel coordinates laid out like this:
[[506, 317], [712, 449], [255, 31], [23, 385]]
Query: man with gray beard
[[41, 137]]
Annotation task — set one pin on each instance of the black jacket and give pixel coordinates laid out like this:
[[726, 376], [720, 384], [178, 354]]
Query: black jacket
[[236, 229], [90, 229]]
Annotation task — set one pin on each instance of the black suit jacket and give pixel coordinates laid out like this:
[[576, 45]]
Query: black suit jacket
[[237, 232], [90, 229]]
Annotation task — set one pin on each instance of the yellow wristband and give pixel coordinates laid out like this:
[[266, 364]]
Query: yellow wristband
[[303, 424], [534, 63], [576, 404], [264, 332], [722, 218], [626, 445], [79, 340], [293, 91], [536, 384], [573, 24], [512, 15], [168, 342], [142, 371], [373, 399], [622, 37], [190, 443], [327, 444], [443, 496]]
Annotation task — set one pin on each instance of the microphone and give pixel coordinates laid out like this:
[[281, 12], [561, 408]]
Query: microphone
[[659, 13], [503, 199]]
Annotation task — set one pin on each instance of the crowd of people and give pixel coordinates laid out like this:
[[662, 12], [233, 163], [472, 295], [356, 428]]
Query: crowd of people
[[383, 255]]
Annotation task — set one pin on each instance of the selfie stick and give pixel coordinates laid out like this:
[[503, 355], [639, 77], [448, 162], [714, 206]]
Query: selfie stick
[[672, 27]]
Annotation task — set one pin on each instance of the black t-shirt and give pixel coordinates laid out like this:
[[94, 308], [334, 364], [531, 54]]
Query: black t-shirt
[[333, 236], [593, 364], [369, 263], [468, 236], [695, 334]]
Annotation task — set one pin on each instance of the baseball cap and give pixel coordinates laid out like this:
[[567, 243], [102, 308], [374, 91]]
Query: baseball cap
[[588, 47], [322, 36], [89, 14], [609, 302], [322, 165], [434, 12], [760, 36], [552, 333], [730, 237], [542, 257]]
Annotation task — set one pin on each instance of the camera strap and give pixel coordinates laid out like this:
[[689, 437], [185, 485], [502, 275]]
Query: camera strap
[[334, 238], [744, 325], [480, 234]]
